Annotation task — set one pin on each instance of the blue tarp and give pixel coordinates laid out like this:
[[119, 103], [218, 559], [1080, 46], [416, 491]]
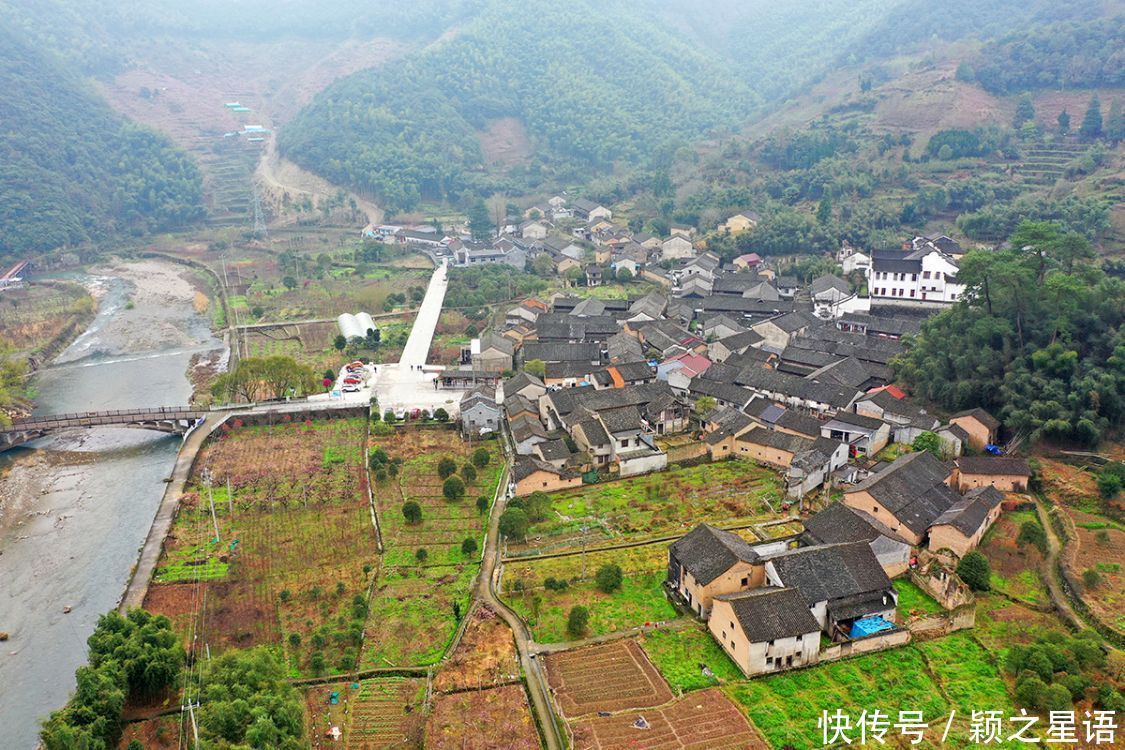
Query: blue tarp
[[869, 626]]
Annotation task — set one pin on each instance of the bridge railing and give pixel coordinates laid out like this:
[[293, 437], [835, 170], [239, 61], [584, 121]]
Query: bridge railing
[[106, 417]]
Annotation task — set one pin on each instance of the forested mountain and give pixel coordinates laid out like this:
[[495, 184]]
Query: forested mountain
[[71, 169], [594, 83], [1063, 55]]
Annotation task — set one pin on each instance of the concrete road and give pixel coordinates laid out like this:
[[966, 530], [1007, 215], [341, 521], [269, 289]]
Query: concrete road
[[417, 347]]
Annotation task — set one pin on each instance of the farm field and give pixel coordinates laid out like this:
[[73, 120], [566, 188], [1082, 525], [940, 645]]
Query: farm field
[[1015, 569], [161, 733], [934, 677], [485, 657], [640, 599], [35, 315], [705, 720], [417, 602], [1001, 624], [1101, 547], [661, 504], [386, 712], [321, 715], [498, 718], [295, 552], [609, 677], [678, 652]]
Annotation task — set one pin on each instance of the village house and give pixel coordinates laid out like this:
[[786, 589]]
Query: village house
[[527, 432], [980, 426], [787, 286], [961, 527], [852, 259], [590, 211], [739, 223], [921, 277], [524, 384], [624, 374], [526, 311], [765, 630], [728, 346], [806, 463], [841, 584], [1005, 473], [828, 294], [492, 352], [906, 418], [480, 414], [533, 475], [842, 524], [676, 248], [534, 230], [907, 496], [777, 331], [709, 562], [866, 435], [747, 261]]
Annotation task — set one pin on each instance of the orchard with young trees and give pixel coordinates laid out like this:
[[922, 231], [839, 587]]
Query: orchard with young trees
[[1037, 339]]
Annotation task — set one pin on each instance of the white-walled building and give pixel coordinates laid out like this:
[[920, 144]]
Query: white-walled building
[[925, 277]]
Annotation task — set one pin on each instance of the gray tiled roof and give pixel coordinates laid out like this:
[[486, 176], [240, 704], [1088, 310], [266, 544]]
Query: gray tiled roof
[[1002, 465], [707, 552], [912, 489], [839, 523], [969, 513], [768, 614], [831, 571]]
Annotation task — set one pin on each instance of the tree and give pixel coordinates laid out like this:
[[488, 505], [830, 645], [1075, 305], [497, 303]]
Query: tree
[[975, 571], [514, 524], [1032, 533], [441, 415], [453, 489], [468, 547], [446, 467], [1115, 122], [246, 700], [480, 225], [705, 404], [412, 512], [482, 504], [537, 505], [1064, 122], [257, 379], [389, 416], [577, 621], [289, 282], [1025, 112], [623, 275], [421, 554], [824, 211], [481, 458], [928, 441], [143, 644], [1091, 127], [468, 473], [608, 578], [536, 367], [1030, 691], [1056, 698]]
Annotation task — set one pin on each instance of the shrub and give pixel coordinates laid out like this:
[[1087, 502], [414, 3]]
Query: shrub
[[412, 512], [608, 578], [555, 584], [514, 524], [316, 662], [453, 489], [446, 467], [1102, 537], [382, 429], [468, 473], [1032, 533], [482, 504], [284, 595], [1091, 578], [577, 621], [421, 554], [480, 458], [468, 547], [389, 416], [975, 571], [294, 639], [441, 414]]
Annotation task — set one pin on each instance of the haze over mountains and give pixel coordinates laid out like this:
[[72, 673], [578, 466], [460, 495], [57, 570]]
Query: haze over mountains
[[577, 93]]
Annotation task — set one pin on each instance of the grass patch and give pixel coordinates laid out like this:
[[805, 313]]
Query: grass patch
[[913, 600], [678, 654]]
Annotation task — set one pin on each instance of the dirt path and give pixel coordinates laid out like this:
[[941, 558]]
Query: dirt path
[[1051, 573], [486, 592]]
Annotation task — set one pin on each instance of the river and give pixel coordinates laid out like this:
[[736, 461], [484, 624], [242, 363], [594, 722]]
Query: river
[[75, 507]]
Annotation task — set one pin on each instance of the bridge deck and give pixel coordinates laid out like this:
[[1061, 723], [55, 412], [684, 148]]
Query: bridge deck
[[96, 418]]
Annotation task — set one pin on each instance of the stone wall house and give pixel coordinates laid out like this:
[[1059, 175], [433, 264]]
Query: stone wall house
[[765, 630]]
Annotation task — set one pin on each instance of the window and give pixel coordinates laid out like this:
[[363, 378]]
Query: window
[[913, 277], [925, 274], [911, 292], [745, 581], [875, 509]]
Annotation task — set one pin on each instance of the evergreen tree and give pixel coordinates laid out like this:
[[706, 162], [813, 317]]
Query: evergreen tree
[[824, 211], [480, 226], [1064, 122], [1092, 120], [1025, 112], [1115, 123]]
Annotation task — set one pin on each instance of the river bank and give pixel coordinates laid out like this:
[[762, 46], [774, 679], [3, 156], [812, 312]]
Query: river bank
[[75, 507]]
